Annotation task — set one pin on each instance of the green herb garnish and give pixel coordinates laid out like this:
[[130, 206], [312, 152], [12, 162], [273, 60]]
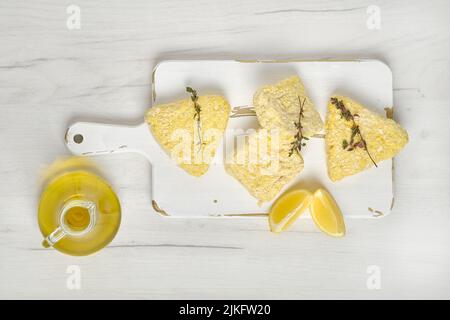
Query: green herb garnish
[[298, 142], [356, 138], [198, 109]]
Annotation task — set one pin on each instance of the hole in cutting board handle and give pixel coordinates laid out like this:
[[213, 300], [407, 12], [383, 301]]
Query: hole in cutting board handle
[[78, 138]]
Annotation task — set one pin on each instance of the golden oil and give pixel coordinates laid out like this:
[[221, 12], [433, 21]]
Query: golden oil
[[78, 213], [77, 218]]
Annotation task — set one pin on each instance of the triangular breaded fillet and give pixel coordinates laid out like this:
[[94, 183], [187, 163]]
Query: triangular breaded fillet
[[278, 106], [176, 129], [262, 164], [346, 123]]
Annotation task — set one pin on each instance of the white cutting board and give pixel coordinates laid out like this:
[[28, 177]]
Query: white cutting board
[[177, 194]]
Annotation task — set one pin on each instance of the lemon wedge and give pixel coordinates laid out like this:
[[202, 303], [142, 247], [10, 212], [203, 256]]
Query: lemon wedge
[[326, 214], [288, 208]]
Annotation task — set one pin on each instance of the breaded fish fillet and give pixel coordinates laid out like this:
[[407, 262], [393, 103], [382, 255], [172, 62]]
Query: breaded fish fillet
[[278, 106], [263, 165], [191, 144], [383, 137]]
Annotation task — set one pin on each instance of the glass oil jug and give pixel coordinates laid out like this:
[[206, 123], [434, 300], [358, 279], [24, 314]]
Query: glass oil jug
[[79, 213]]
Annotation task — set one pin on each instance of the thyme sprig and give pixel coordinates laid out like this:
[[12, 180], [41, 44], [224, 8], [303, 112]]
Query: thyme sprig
[[299, 138], [198, 109], [356, 138]]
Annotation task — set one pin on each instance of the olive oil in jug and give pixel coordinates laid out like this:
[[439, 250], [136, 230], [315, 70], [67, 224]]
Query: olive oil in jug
[[78, 213]]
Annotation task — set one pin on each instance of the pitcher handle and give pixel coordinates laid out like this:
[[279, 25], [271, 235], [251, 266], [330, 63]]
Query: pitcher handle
[[53, 237]]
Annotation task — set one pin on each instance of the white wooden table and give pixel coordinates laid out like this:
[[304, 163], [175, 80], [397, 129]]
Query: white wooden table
[[52, 73]]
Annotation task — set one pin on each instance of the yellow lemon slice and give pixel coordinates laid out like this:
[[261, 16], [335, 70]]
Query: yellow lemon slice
[[326, 214], [288, 208]]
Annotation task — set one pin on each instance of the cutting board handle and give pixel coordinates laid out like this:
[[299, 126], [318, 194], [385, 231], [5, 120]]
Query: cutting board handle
[[88, 138]]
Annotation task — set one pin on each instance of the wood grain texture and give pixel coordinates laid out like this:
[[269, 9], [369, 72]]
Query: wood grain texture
[[51, 76]]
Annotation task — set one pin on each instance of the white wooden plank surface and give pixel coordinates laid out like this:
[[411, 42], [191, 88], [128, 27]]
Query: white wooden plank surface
[[51, 76]]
